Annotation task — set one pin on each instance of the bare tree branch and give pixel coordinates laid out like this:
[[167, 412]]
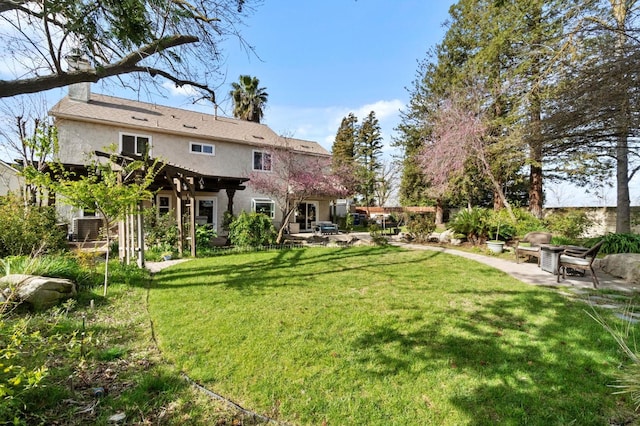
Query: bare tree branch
[[124, 66]]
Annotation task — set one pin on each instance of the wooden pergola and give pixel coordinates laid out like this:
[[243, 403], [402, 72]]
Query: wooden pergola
[[185, 184]]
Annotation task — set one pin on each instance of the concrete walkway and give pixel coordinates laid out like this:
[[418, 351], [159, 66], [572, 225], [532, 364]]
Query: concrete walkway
[[530, 273]]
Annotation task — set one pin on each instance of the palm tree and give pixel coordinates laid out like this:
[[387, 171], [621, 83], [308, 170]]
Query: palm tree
[[248, 99]]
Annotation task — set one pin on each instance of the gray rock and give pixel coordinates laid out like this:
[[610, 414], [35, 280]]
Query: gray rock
[[446, 236], [39, 292], [622, 265]]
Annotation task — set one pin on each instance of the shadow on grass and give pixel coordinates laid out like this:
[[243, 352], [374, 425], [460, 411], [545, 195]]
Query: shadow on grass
[[251, 272], [556, 371]]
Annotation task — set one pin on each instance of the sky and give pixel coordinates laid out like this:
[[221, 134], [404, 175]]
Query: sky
[[319, 60]]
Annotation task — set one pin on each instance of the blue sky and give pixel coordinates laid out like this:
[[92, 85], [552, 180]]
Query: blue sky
[[321, 59]]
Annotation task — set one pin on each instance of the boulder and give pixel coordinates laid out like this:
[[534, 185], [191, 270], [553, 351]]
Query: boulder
[[446, 236], [39, 292], [622, 265]]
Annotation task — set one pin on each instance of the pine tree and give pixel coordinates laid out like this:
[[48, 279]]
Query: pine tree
[[343, 149], [368, 150]]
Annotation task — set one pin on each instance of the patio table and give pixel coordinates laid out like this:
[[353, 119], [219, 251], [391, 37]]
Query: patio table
[[550, 256]]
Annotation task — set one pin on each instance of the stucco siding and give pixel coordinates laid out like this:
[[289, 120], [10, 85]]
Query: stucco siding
[[9, 180]]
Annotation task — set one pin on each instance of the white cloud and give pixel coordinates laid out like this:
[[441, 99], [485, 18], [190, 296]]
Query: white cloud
[[321, 124], [184, 91]]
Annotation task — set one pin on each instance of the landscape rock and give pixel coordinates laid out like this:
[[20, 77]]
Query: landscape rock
[[622, 265], [446, 236], [39, 292]]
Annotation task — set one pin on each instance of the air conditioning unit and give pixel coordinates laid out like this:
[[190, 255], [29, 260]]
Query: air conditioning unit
[[87, 228]]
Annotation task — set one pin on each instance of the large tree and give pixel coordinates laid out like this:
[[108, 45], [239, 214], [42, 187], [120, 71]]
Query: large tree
[[596, 120], [249, 99], [509, 47], [368, 150], [343, 150], [176, 39]]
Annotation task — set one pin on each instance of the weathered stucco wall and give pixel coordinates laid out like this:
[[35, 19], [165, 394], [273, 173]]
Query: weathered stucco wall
[[604, 219]]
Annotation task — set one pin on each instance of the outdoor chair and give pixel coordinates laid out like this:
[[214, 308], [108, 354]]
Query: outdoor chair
[[572, 258], [530, 245]]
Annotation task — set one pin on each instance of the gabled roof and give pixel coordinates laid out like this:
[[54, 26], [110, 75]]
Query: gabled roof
[[157, 118]]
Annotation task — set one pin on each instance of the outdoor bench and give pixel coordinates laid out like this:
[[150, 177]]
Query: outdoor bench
[[323, 228]]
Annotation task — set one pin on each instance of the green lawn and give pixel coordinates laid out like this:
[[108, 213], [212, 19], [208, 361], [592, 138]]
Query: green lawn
[[381, 336]]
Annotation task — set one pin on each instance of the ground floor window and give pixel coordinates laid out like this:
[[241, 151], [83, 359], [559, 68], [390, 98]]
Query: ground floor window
[[207, 211], [264, 206], [164, 204]]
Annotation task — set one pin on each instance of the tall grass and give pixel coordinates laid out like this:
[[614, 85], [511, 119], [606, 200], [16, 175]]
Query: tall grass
[[60, 266]]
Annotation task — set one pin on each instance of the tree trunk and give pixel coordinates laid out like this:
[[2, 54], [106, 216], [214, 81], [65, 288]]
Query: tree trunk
[[623, 205], [439, 212], [535, 115], [283, 226], [535, 159]]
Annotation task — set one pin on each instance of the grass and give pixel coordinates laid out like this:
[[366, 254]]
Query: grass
[[109, 346], [381, 336]]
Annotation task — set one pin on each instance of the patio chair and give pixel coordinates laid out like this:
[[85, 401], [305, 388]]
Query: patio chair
[[579, 259], [530, 245]]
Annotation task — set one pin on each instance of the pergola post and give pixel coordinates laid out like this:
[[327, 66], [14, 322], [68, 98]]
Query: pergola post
[[192, 214], [230, 194], [140, 236], [177, 193]]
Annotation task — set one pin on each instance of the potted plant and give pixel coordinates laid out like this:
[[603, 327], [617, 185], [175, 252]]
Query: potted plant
[[496, 245]]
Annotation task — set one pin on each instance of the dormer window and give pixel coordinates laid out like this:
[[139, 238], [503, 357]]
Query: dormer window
[[135, 144]]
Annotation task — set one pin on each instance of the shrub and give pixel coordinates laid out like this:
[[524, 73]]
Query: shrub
[[473, 223], [570, 224], [564, 241], [28, 229], [420, 225], [527, 222], [376, 235], [204, 235], [500, 225], [27, 346], [227, 220], [617, 243], [348, 222], [160, 229], [252, 229], [18, 375]]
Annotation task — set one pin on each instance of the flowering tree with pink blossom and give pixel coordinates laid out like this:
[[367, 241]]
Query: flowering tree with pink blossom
[[295, 178], [459, 135]]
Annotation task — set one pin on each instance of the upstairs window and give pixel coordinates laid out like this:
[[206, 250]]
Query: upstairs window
[[261, 161], [202, 148], [134, 144]]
